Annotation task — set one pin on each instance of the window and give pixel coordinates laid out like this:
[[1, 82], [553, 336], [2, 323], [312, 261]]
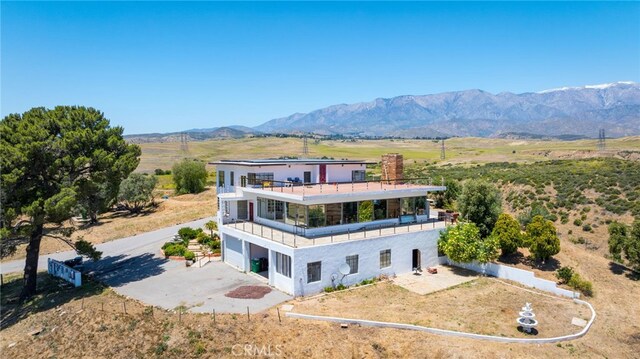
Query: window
[[365, 211], [385, 258], [271, 209], [421, 205], [316, 215], [231, 180], [259, 178], [380, 209], [349, 212], [352, 261], [296, 214], [307, 177], [283, 264], [313, 271], [220, 178], [358, 176]]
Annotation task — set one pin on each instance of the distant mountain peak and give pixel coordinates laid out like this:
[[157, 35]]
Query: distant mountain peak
[[598, 87]]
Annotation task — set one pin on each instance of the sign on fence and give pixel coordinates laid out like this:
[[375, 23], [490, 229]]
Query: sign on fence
[[65, 272]]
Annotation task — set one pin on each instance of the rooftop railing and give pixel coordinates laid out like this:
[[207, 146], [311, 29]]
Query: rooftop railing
[[298, 238], [304, 188]]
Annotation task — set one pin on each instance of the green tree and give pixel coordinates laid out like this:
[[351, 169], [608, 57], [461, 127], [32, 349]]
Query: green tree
[[542, 238], [136, 191], [189, 176], [537, 209], [632, 248], [507, 233], [462, 243], [211, 226], [447, 198], [48, 156], [480, 203], [618, 238]]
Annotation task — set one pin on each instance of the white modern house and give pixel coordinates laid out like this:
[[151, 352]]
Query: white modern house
[[297, 222]]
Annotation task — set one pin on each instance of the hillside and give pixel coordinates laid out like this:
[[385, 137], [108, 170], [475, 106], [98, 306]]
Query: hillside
[[565, 111], [199, 134]]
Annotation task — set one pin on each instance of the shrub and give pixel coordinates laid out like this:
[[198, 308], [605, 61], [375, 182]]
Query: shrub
[[174, 249], [577, 222], [328, 289], [481, 203], [188, 233], [136, 191], [586, 227], [564, 274], [462, 243], [341, 287], [189, 255], [570, 231], [581, 285]]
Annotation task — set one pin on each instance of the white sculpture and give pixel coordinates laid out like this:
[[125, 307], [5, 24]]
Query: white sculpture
[[526, 320]]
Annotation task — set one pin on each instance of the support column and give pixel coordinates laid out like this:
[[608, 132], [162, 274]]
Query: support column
[[272, 267]]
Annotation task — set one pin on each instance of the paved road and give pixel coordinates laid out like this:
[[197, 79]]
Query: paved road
[[133, 267], [148, 242]]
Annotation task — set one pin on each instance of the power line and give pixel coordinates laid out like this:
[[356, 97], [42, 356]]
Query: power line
[[184, 143], [601, 140], [305, 146]]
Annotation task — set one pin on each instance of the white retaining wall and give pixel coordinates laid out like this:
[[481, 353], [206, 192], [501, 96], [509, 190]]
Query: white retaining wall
[[454, 333], [521, 276]]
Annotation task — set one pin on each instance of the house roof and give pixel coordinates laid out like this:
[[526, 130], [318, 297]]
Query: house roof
[[280, 162]]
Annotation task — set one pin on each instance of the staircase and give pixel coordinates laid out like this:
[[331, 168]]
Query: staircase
[[200, 252]]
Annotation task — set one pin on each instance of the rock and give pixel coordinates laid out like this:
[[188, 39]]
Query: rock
[[12, 345], [36, 332]]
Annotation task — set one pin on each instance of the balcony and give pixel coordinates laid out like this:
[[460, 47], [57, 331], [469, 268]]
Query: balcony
[[298, 239]]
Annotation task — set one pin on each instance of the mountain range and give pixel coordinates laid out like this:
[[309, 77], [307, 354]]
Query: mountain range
[[571, 111]]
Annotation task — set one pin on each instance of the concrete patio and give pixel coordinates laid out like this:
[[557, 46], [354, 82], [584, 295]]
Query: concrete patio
[[425, 283]]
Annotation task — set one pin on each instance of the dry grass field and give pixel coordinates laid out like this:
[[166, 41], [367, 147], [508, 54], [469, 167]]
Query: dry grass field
[[458, 150], [91, 322], [482, 306], [114, 225]]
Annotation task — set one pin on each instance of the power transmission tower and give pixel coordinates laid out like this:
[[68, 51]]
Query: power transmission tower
[[442, 154], [601, 140], [305, 147], [184, 143]]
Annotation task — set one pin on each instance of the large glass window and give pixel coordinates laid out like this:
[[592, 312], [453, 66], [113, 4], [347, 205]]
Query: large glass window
[[421, 205], [408, 205], [316, 215], [385, 258], [283, 264], [380, 209], [259, 178], [296, 214], [365, 211], [349, 212], [358, 176], [314, 271], [231, 179], [271, 209], [352, 261], [220, 178], [333, 212], [393, 208]]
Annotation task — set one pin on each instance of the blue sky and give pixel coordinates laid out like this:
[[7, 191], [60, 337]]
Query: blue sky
[[166, 66]]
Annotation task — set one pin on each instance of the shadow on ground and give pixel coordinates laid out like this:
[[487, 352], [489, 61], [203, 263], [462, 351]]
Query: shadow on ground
[[619, 269], [51, 293], [119, 270], [550, 265]]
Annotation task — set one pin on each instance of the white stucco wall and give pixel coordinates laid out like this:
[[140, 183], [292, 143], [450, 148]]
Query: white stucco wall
[[368, 250]]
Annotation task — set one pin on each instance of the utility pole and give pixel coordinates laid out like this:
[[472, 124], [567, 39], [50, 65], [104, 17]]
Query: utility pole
[[601, 140], [184, 145], [442, 153], [305, 147]]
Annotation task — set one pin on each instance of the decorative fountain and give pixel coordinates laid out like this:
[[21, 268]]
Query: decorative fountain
[[526, 320]]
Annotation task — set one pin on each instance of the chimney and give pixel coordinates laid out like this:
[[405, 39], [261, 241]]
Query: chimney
[[392, 168]]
